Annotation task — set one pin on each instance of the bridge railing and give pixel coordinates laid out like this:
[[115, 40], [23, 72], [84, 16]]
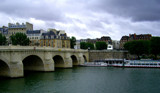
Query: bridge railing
[[38, 48]]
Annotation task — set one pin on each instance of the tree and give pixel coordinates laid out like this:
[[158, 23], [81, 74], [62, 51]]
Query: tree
[[138, 47], [84, 45], [73, 41], [90, 46], [155, 46], [3, 39], [101, 45], [20, 39]]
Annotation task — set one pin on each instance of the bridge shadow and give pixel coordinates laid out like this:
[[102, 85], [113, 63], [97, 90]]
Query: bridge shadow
[[85, 59], [32, 63], [74, 60], [58, 61], [4, 69]]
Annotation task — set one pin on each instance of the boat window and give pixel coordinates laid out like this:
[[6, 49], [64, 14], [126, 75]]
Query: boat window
[[154, 64], [143, 64], [135, 64], [131, 63]]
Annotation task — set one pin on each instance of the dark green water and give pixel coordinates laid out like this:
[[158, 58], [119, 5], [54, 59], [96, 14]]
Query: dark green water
[[86, 80]]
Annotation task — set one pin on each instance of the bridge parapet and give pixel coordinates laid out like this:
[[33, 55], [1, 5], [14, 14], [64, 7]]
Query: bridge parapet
[[51, 49]]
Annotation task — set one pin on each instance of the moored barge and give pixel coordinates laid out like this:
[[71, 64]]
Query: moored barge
[[139, 64]]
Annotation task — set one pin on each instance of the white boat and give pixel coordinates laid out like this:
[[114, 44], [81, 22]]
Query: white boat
[[94, 64], [139, 64]]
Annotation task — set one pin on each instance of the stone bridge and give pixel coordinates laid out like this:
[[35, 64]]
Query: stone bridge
[[15, 59]]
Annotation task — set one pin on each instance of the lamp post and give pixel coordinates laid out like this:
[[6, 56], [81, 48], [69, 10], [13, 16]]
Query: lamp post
[[89, 52], [88, 48]]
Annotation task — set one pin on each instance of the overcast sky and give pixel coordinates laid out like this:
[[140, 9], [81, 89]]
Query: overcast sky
[[86, 18]]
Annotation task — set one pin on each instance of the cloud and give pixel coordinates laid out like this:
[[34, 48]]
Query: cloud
[[86, 18], [44, 10], [137, 10]]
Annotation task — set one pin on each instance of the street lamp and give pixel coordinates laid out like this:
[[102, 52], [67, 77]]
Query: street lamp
[[88, 48]]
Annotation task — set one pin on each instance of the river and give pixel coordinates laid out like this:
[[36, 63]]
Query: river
[[86, 80]]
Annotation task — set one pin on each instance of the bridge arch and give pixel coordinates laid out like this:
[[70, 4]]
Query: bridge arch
[[58, 61], [33, 63], [74, 60], [4, 69], [85, 59]]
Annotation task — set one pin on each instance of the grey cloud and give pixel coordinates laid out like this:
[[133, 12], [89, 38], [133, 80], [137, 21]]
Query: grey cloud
[[27, 9], [138, 10], [105, 17]]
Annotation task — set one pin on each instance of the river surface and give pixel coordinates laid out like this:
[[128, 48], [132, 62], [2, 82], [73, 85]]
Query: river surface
[[86, 80]]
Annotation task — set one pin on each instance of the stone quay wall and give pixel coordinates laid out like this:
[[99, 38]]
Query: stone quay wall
[[107, 54]]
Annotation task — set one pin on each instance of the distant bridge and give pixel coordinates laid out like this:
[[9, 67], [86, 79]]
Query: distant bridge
[[15, 59]]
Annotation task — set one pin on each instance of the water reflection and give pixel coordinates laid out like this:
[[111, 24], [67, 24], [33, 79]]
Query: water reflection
[[86, 80]]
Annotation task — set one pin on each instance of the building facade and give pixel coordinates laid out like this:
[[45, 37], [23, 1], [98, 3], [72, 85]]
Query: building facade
[[19, 28], [93, 41], [55, 39], [106, 39], [34, 36], [123, 40], [4, 30], [52, 37], [132, 37], [116, 44], [77, 46], [139, 37]]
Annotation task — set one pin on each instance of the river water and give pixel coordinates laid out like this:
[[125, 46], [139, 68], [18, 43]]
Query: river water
[[86, 80]]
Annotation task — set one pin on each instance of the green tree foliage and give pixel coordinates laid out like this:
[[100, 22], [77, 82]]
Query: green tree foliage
[[138, 47], [84, 45], [73, 41], [90, 46], [20, 39], [155, 46], [3, 39], [101, 45]]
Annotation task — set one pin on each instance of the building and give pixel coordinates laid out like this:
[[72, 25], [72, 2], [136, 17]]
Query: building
[[106, 39], [19, 28], [34, 36], [139, 37], [93, 41], [116, 44], [52, 37], [77, 46], [132, 37], [123, 40], [4, 30], [55, 38]]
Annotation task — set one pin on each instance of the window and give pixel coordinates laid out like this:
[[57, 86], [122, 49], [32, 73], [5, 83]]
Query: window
[[151, 64], [131, 63], [154, 64]]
